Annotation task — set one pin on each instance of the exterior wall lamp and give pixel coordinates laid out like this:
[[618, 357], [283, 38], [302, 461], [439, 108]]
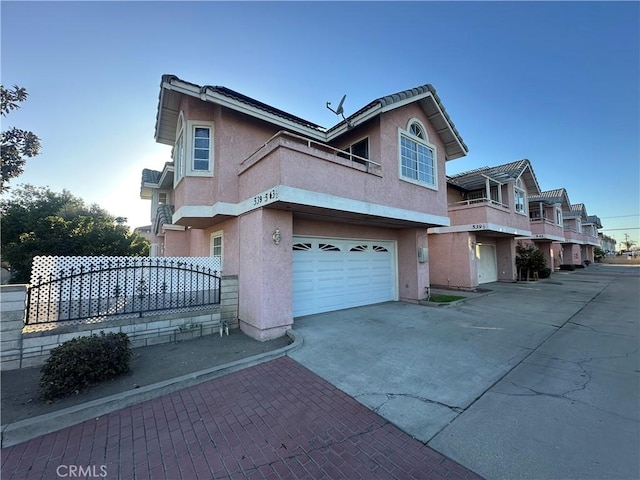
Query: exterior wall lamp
[[276, 236]]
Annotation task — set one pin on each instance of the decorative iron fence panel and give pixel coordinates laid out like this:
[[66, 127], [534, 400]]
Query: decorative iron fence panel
[[94, 288]]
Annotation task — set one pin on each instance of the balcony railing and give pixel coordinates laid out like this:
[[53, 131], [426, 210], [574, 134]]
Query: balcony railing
[[318, 145], [545, 220], [479, 201]]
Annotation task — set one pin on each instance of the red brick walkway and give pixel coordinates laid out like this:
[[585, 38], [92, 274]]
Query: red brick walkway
[[274, 420]]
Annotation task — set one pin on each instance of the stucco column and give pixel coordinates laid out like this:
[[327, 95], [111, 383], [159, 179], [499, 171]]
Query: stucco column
[[413, 276], [506, 253], [545, 248], [265, 274]]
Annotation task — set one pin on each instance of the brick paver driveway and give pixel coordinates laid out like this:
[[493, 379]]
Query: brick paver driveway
[[274, 420]]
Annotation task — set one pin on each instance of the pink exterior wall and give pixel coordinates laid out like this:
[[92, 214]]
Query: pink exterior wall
[[265, 279], [288, 162], [176, 244], [452, 262], [488, 213], [506, 257], [546, 248]]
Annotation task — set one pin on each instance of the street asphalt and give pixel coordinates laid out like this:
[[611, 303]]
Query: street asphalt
[[534, 380]]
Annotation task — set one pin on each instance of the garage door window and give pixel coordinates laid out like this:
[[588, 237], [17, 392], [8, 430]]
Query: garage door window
[[327, 247]]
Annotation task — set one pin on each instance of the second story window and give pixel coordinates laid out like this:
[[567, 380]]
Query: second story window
[[558, 216], [520, 197], [201, 148], [178, 151], [360, 148], [417, 156]]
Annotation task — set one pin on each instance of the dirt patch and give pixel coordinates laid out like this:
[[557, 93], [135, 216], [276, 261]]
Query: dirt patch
[[148, 365]]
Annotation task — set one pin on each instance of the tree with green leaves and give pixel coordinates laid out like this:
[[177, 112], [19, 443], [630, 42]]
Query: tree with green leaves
[[37, 221], [16, 145], [529, 260], [598, 254]]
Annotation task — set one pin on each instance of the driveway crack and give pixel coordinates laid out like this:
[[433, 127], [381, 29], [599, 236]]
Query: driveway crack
[[390, 396]]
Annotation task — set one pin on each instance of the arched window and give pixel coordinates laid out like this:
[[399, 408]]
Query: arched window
[[417, 161]]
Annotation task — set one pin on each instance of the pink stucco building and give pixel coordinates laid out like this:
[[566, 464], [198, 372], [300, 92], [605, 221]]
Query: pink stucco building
[[489, 210], [310, 219]]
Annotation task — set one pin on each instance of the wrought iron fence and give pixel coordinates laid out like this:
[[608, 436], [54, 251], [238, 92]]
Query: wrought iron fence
[[128, 286]]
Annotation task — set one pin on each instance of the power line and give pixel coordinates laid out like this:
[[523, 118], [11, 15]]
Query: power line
[[623, 216], [612, 229]]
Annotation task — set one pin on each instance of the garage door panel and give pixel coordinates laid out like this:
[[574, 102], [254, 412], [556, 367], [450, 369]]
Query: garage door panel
[[486, 264], [340, 274]]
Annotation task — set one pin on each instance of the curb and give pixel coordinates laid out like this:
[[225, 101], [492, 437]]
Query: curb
[[24, 430]]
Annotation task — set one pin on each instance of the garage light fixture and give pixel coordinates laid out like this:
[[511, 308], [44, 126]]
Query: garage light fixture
[[276, 236]]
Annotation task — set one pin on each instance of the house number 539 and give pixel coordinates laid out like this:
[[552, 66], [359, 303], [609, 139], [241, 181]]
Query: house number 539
[[268, 196]]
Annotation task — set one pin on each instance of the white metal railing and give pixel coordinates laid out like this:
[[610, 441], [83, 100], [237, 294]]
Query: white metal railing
[[321, 146], [479, 201], [546, 220]]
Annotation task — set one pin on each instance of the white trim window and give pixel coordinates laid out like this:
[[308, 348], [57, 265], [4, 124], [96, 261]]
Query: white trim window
[[200, 148], [178, 151], [217, 247], [519, 197], [558, 216], [417, 162], [578, 225]]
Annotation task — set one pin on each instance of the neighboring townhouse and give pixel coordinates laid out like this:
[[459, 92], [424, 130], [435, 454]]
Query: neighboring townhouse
[[590, 237], [607, 244], [488, 208], [581, 236], [547, 225], [309, 219]]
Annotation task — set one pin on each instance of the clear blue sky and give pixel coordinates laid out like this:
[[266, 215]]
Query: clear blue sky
[[554, 82]]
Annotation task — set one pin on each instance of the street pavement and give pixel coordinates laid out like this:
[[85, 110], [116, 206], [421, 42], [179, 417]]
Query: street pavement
[[537, 380]]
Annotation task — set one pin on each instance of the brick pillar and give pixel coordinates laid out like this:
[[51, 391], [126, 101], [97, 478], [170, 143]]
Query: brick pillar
[[13, 299]]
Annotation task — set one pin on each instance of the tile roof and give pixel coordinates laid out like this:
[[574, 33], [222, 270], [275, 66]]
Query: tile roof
[[164, 215], [508, 172], [168, 106], [595, 220], [559, 195], [150, 176]]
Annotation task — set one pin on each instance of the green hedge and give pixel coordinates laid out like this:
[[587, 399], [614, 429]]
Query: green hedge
[[84, 361], [568, 266]]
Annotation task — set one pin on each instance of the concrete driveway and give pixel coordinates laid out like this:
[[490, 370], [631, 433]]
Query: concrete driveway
[[533, 380]]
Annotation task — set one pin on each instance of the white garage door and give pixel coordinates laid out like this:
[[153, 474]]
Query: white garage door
[[330, 274], [487, 265]]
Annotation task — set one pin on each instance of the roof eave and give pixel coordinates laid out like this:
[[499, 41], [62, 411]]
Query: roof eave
[[454, 145]]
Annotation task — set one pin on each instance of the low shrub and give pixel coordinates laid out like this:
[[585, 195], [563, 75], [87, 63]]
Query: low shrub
[[568, 266], [544, 273], [84, 361], [579, 265], [587, 263]]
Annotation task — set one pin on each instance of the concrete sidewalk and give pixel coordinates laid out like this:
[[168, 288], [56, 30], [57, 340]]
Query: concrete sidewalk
[[270, 421]]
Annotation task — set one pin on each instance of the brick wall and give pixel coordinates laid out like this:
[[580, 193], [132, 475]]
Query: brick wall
[[27, 346]]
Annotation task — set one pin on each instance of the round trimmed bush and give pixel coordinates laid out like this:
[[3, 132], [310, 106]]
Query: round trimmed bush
[[84, 361]]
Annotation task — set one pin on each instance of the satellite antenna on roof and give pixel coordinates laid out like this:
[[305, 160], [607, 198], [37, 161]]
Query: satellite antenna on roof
[[339, 110]]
